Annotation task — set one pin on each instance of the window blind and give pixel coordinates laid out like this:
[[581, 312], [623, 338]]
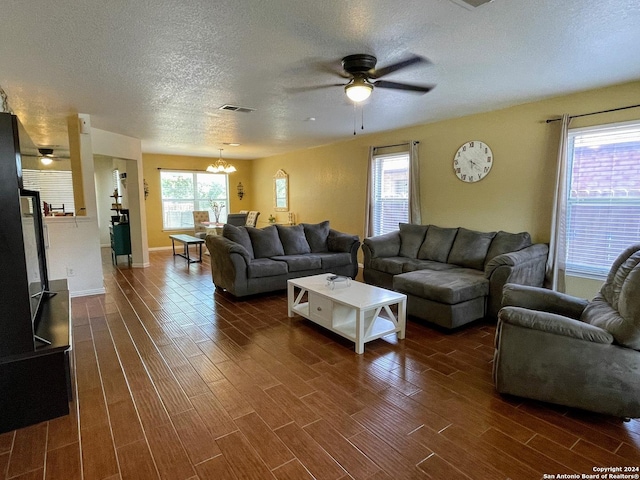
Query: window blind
[[55, 187], [390, 191], [603, 204]]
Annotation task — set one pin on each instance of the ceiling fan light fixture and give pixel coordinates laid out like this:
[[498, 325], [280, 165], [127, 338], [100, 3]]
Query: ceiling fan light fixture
[[358, 90], [46, 155]]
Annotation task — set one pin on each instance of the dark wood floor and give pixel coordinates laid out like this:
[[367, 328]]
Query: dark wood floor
[[176, 381]]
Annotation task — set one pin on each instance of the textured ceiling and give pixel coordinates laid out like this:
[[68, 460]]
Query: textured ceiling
[[159, 70]]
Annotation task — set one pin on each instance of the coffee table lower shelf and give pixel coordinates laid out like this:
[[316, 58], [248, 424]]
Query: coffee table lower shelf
[[353, 313]]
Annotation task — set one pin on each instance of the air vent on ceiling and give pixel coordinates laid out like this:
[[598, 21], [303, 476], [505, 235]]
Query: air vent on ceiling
[[235, 108], [470, 4]]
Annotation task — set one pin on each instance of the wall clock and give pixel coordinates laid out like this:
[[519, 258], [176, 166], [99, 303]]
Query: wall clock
[[473, 161]]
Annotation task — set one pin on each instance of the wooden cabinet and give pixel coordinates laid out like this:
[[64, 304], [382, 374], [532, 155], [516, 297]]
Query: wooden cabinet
[[120, 241]]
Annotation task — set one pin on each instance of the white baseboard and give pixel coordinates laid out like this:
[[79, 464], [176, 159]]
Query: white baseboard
[[155, 249], [86, 293], [141, 265]]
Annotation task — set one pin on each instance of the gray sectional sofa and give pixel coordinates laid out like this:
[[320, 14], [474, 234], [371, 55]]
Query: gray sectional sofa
[[452, 276], [246, 260]]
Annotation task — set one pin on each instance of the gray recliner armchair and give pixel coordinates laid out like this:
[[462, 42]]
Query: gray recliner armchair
[[565, 350]]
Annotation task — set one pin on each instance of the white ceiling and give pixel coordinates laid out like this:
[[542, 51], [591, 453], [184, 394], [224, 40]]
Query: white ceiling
[[159, 70]]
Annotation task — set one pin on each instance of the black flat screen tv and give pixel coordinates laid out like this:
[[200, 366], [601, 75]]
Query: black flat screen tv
[[34, 252]]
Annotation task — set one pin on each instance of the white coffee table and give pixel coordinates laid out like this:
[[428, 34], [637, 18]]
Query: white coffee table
[[350, 311]]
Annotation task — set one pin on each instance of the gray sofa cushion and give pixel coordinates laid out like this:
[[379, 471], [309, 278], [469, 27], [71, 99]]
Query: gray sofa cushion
[[437, 244], [297, 263], [317, 234], [450, 287], [238, 235], [334, 259], [390, 265], [293, 240], [470, 248], [505, 242], [411, 238], [341, 242], [265, 241], [411, 265], [265, 267]]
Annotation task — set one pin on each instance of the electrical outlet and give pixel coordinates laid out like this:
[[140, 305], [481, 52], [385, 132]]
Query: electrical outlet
[[71, 272]]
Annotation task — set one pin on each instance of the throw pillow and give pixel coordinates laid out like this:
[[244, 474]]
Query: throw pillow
[[266, 242], [238, 235], [317, 235], [293, 240], [437, 244], [470, 248], [411, 238]]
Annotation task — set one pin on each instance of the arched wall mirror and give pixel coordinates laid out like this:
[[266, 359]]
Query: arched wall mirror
[[281, 191]]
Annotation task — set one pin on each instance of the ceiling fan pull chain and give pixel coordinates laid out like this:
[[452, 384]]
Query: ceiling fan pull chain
[[362, 117], [355, 106]]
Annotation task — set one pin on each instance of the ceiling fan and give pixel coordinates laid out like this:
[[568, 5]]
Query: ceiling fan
[[46, 155], [361, 70]]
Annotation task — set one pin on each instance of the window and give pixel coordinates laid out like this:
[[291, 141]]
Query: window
[[390, 192], [55, 187], [603, 204], [184, 192]]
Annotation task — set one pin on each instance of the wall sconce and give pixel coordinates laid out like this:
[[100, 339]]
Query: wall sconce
[[240, 190]]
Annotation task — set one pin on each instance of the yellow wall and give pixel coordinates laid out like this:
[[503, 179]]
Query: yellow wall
[[153, 204], [329, 182]]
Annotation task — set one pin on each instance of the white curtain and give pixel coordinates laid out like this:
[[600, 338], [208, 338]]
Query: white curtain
[[415, 215], [368, 211], [556, 261]]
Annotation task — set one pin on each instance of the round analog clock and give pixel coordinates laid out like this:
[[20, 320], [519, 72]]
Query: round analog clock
[[473, 161]]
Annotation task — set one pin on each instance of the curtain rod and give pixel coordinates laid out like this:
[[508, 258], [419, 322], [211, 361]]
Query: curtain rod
[[396, 145], [594, 113], [181, 170]]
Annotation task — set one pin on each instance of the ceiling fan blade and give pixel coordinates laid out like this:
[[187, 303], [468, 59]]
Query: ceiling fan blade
[[312, 87], [333, 68], [407, 62], [403, 86]]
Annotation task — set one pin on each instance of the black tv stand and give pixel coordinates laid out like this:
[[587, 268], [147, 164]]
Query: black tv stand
[[36, 384]]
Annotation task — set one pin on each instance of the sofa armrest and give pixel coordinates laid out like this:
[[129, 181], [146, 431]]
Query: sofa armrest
[[387, 245], [554, 324], [345, 242], [533, 254], [222, 247], [229, 264], [342, 242], [524, 267], [534, 298]]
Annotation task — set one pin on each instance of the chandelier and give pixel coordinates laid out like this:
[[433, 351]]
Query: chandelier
[[220, 166]]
